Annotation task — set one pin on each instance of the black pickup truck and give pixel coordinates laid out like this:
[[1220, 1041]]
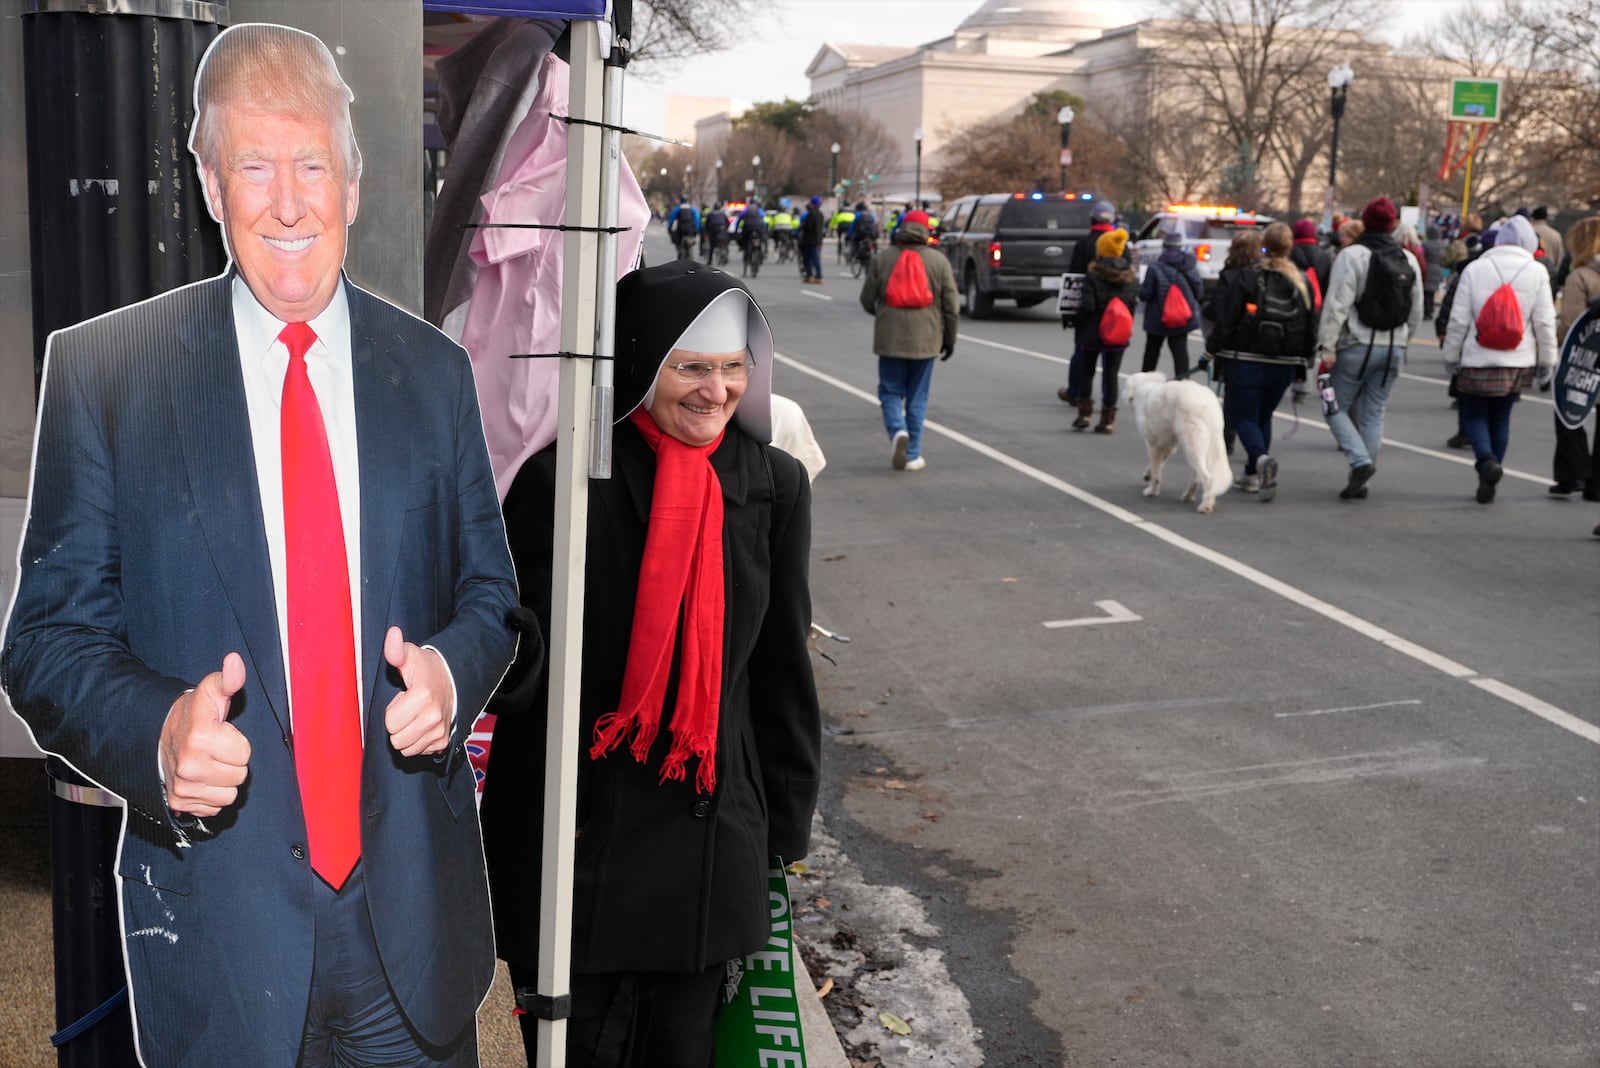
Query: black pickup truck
[[1012, 245]]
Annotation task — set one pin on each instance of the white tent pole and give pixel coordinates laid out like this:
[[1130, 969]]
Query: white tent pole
[[606, 283], [578, 336]]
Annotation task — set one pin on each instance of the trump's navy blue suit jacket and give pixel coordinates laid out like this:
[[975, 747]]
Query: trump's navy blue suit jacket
[[145, 562]]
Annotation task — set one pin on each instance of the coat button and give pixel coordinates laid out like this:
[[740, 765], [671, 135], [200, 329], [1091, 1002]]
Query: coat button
[[700, 809], [297, 851]]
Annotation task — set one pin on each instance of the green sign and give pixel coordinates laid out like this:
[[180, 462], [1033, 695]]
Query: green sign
[[1474, 100], [760, 1022]]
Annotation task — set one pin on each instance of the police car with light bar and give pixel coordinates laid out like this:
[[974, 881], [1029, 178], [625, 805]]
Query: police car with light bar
[[1207, 231], [1012, 246]]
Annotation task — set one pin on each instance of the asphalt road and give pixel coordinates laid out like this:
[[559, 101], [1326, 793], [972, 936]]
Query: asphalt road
[[1328, 798]]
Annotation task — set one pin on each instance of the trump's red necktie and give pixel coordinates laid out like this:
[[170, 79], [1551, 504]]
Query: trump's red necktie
[[322, 654]]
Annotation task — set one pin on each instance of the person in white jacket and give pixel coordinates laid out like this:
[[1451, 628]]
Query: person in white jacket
[[1365, 363], [1491, 380]]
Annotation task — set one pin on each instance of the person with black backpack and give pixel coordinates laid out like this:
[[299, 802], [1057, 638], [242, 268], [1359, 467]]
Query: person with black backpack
[[1371, 308], [1265, 333]]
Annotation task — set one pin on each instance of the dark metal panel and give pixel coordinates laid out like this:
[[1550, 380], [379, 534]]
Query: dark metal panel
[[118, 212]]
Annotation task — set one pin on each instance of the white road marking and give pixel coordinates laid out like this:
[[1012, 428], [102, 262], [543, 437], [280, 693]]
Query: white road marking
[[1347, 708], [1115, 613], [814, 296], [1013, 348], [1565, 720]]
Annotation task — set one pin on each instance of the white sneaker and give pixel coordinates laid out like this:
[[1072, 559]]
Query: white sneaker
[[1248, 483], [916, 465], [897, 457]]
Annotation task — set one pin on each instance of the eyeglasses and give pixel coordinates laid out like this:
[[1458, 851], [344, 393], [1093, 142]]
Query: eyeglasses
[[737, 371]]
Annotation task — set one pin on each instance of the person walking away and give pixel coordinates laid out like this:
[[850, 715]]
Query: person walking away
[[1576, 466], [1171, 294], [1433, 269], [1243, 253], [1555, 249], [1313, 259], [1456, 254], [1500, 340], [1347, 234], [1406, 237], [813, 230], [910, 291], [1102, 220], [1373, 306], [716, 230], [1104, 328], [1266, 331], [699, 721]]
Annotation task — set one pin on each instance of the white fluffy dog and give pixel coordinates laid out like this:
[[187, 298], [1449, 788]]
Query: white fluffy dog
[[1186, 414]]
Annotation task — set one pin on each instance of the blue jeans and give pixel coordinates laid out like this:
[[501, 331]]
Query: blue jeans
[[1486, 421], [1370, 388], [903, 392], [810, 261], [1253, 392], [1080, 374]]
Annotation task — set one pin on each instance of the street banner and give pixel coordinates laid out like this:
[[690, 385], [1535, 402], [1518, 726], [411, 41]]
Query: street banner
[[760, 1022], [1578, 373], [1070, 297]]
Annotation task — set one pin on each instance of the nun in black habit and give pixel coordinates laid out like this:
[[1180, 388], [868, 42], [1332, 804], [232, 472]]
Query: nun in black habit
[[701, 734]]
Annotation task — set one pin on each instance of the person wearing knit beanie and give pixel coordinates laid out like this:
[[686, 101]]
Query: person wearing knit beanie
[[1379, 216], [1304, 230], [1111, 245], [1171, 239], [1371, 307]]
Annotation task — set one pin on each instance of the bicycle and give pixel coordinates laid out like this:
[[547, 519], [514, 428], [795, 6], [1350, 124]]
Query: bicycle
[[783, 241], [861, 255], [754, 251]]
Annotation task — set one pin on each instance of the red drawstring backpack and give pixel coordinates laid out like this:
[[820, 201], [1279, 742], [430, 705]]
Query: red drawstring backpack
[[1316, 289], [1175, 310], [1499, 321], [908, 282], [1116, 325]]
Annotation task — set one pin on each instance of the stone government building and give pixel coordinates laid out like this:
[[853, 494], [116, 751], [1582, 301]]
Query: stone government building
[[1007, 50]]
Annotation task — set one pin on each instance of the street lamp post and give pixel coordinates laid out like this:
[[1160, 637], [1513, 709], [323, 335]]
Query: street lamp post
[[833, 170], [719, 180], [1339, 79], [688, 180], [755, 161], [916, 135], [1065, 117]]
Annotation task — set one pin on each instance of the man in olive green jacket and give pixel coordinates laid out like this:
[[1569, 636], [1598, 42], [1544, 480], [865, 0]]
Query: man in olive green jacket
[[909, 332]]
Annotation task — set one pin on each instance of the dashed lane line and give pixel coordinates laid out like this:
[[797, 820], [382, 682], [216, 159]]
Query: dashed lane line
[[1464, 460], [1443, 664], [1445, 382], [814, 296]]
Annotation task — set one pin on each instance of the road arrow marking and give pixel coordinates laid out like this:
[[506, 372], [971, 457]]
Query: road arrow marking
[[1114, 613]]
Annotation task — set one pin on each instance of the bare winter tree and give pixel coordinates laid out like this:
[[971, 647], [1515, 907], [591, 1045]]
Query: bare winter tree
[[1022, 153], [1168, 151], [667, 32], [1253, 67]]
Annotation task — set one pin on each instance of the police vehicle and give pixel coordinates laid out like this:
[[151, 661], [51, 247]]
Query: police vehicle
[[1011, 246], [1207, 231]]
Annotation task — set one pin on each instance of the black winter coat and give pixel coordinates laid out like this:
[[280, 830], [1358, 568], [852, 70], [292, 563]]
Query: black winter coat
[[1106, 280], [1242, 330], [667, 880], [1307, 255], [1175, 267]]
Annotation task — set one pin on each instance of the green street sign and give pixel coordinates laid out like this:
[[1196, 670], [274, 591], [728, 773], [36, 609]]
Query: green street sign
[[1475, 100], [872, 177], [845, 182]]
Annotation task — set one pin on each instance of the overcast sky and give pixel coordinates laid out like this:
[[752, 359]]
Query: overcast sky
[[770, 62]]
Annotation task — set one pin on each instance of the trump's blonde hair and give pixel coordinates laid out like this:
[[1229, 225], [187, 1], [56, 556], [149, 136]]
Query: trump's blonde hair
[[275, 69]]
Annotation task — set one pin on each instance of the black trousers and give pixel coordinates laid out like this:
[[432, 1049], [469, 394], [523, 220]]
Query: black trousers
[[1179, 346], [1575, 460], [635, 1019]]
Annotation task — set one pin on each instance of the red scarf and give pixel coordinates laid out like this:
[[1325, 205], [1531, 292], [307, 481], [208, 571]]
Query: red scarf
[[681, 576]]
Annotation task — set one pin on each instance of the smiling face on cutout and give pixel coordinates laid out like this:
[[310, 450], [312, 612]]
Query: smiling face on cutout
[[696, 412], [282, 190]]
